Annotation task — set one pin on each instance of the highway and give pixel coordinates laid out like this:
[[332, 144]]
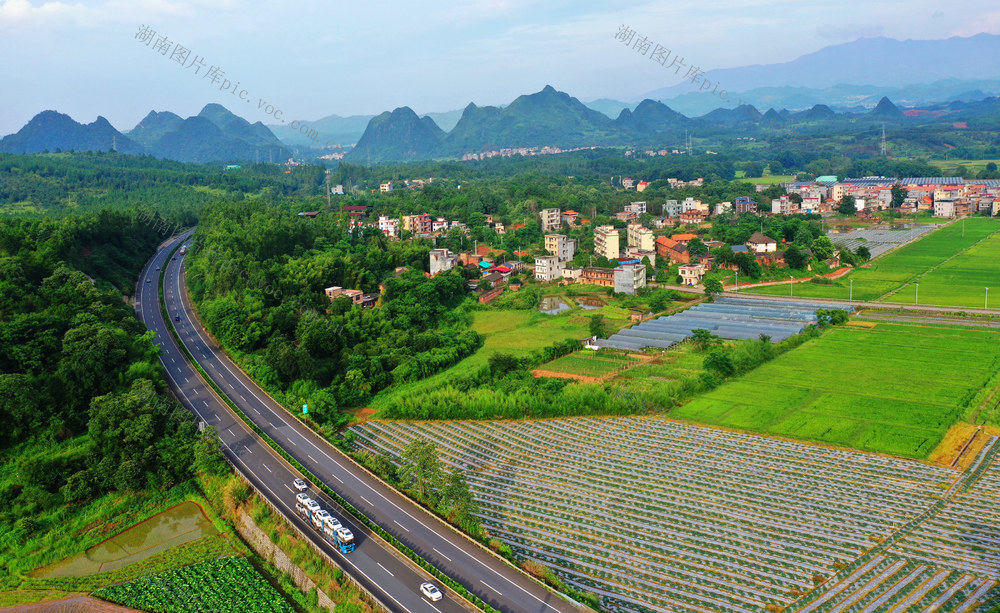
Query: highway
[[379, 569], [374, 564]]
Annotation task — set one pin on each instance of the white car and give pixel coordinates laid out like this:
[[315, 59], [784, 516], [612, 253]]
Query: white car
[[302, 498], [300, 485], [430, 591]]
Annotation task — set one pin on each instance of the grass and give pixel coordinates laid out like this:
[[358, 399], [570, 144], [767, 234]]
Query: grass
[[895, 269], [515, 332], [769, 179], [588, 363], [891, 388], [961, 281]]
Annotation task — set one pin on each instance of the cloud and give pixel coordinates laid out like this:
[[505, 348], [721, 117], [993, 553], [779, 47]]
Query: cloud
[[848, 32], [22, 14]]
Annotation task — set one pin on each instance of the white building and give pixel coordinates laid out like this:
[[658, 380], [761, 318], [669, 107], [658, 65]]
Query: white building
[[385, 187], [638, 208], [629, 278], [442, 260], [548, 268], [389, 226], [691, 274]]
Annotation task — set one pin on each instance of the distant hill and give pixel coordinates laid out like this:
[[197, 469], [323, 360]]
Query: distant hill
[[332, 129], [214, 135], [397, 136], [886, 110], [878, 61], [50, 130]]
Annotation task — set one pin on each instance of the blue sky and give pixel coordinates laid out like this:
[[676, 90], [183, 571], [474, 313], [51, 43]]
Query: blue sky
[[311, 58]]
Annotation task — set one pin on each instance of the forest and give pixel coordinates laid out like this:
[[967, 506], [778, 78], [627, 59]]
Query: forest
[[82, 393], [261, 293]]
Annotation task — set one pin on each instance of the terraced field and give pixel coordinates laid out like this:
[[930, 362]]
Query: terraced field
[[653, 515]]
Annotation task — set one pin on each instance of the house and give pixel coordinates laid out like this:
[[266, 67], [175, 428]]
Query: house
[[561, 246], [691, 274], [723, 208], [642, 185], [784, 206], [385, 187], [503, 271], [739, 249], [310, 214], [606, 242], [745, 204], [548, 268], [684, 238], [638, 208], [626, 216], [389, 226], [490, 296], [356, 212], [417, 224], [442, 260], [551, 220], [638, 254], [514, 265], [605, 277], [571, 273], [337, 190], [495, 278], [671, 208], [628, 183], [355, 295], [629, 278], [439, 225], [639, 237], [944, 208], [761, 243], [675, 251], [498, 228], [692, 217], [367, 301], [569, 217]]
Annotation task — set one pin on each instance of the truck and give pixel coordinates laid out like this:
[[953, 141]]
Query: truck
[[327, 525]]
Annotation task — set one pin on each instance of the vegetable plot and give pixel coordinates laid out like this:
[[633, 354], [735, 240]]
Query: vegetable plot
[[653, 515], [225, 585]]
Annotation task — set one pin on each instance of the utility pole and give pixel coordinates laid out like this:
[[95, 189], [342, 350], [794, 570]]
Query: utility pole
[[986, 302], [851, 299], [916, 294], [790, 281], [883, 141]]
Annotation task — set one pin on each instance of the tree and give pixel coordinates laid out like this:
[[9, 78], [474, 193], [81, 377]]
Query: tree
[[753, 170], [898, 196], [597, 327], [696, 247], [702, 339], [822, 248], [794, 258], [847, 206], [420, 468], [719, 362], [863, 253], [712, 286], [803, 236], [455, 494]]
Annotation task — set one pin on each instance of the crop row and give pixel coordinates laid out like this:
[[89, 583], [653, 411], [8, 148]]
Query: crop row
[[643, 510]]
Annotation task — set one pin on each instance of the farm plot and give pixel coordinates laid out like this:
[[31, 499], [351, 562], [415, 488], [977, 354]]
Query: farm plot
[[961, 281], [892, 388], [655, 515], [590, 364], [226, 585], [897, 268]]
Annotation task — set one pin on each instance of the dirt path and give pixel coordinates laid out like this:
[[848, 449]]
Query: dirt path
[[78, 604]]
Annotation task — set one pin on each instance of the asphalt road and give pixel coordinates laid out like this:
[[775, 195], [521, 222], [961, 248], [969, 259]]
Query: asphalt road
[[492, 580], [373, 564]]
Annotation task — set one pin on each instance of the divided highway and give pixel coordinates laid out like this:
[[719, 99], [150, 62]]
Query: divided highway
[[374, 563]]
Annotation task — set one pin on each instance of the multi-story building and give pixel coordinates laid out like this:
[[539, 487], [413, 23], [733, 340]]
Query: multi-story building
[[637, 208], [629, 278], [745, 204], [672, 208], [354, 294], [784, 206], [439, 225], [442, 260], [640, 237], [560, 246], [389, 226], [385, 187], [418, 224], [606, 242], [691, 274], [605, 277], [723, 208], [944, 207], [548, 268], [551, 219]]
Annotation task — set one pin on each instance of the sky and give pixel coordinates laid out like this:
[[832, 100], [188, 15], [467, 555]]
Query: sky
[[306, 59]]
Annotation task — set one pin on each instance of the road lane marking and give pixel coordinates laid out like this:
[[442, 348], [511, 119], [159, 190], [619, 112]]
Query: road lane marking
[[265, 466], [385, 569], [400, 525], [490, 586], [441, 554], [230, 433], [368, 501], [287, 488], [206, 402], [186, 380], [310, 457], [248, 449]]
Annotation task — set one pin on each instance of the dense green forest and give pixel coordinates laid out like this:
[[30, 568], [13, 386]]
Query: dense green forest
[[57, 184], [261, 293], [81, 389]]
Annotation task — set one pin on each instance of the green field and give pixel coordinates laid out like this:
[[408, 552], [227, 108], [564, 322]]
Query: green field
[[895, 269], [961, 281], [224, 585], [589, 363], [892, 388], [515, 332]]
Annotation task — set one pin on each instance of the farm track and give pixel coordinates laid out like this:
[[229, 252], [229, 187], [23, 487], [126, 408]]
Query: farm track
[[653, 515]]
